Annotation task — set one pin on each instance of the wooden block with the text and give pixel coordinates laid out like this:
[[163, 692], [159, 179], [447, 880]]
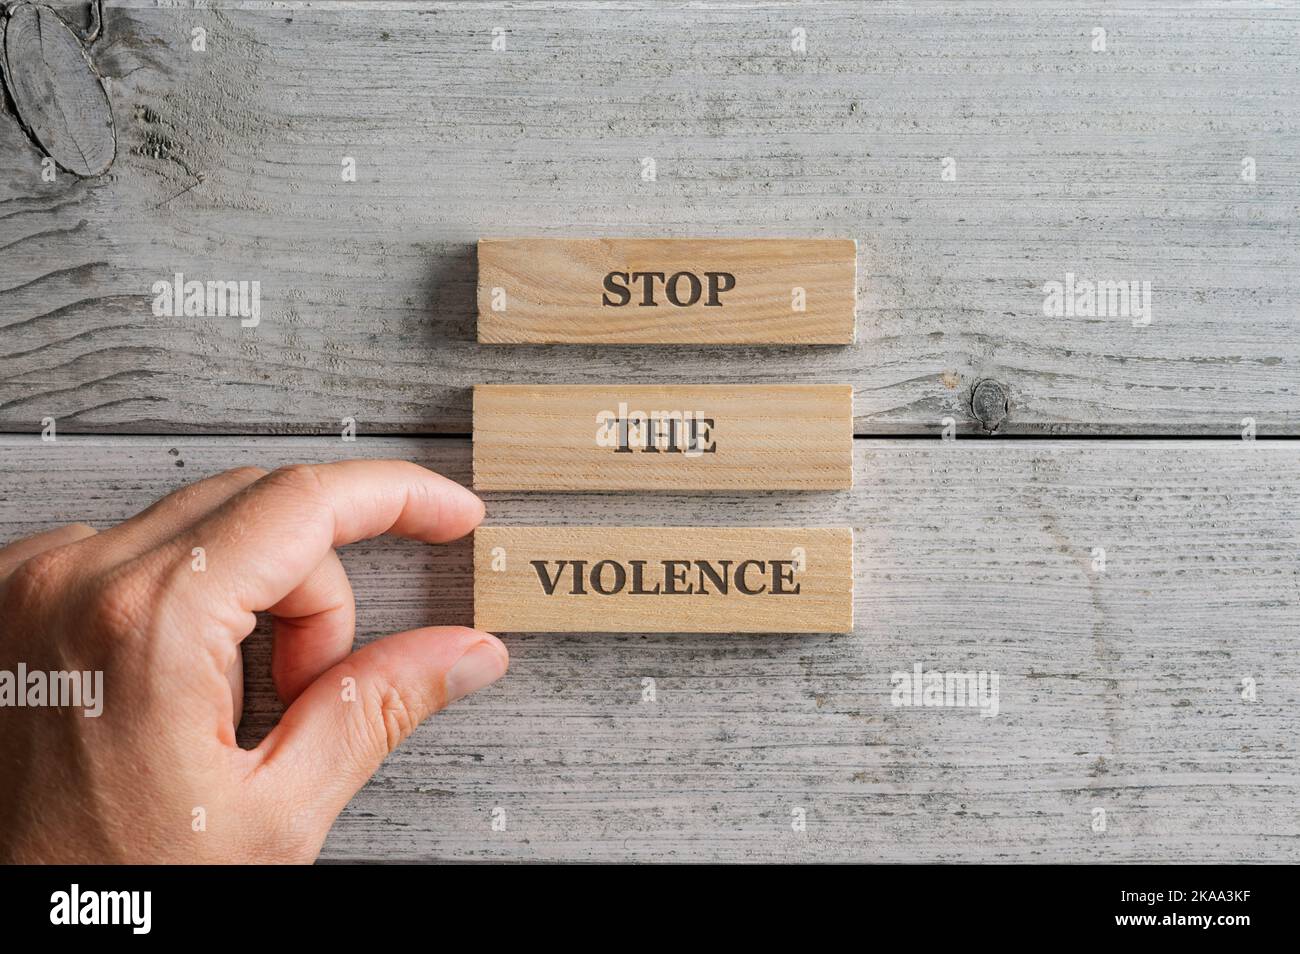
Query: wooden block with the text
[[739, 437], [664, 579], [666, 291]]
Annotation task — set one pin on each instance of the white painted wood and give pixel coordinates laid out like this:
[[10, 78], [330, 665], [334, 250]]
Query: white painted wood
[[1122, 165], [1118, 690]]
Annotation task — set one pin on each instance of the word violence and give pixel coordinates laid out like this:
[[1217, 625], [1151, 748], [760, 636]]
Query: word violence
[[669, 577]]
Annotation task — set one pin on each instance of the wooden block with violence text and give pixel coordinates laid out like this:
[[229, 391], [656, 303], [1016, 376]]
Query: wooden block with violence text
[[666, 291], [663, 437], [664, 579]]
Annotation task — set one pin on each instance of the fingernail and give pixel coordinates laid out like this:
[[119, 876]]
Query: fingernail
[[482, 665]]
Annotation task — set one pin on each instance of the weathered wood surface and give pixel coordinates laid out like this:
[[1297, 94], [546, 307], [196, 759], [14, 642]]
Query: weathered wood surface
[[1119, 690], [1122, 165], [56, 92]]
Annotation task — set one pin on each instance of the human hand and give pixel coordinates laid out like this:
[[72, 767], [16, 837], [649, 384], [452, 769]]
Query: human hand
[[159, 605]]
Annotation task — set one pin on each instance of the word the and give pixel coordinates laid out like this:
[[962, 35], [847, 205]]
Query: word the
[[103, 907], [617, 284], [56, 689], [195, 299], [672, 432], [1104, 299], [946, 689], [670, 577]]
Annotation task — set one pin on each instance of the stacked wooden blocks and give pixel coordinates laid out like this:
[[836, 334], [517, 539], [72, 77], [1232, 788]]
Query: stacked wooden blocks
[[630, 438]]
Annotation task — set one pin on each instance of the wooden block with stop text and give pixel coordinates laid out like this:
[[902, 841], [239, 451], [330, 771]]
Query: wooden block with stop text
[[666, 291], [663, 437], [664, 579]]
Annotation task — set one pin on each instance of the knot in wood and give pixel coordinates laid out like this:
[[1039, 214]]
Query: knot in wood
[[989, 404]]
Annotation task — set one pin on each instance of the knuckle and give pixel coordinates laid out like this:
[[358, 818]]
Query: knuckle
[[389, 716], [37, 580], [302, 481], [296, 475], [427, 495], [243, 475], [120, 603]]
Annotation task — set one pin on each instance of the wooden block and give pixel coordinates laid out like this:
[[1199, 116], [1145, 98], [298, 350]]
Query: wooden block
[[663, 437], [664, 579], [666, 291]]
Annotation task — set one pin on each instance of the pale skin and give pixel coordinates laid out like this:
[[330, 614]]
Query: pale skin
[[125, 787]]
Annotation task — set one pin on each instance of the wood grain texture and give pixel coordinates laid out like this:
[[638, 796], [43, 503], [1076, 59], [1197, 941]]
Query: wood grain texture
[[1120, 689], [56, 92], [666, 291], [1123, 165], [664, 579], [674, 437]]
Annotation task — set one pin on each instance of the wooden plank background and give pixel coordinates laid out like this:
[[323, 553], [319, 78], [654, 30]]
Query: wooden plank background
[[1122, 165], [1119, 690]]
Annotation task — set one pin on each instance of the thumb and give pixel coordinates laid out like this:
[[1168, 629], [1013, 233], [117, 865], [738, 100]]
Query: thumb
[[335, 735]]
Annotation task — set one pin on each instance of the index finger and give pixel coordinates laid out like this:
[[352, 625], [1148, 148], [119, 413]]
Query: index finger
[[259, 545]]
